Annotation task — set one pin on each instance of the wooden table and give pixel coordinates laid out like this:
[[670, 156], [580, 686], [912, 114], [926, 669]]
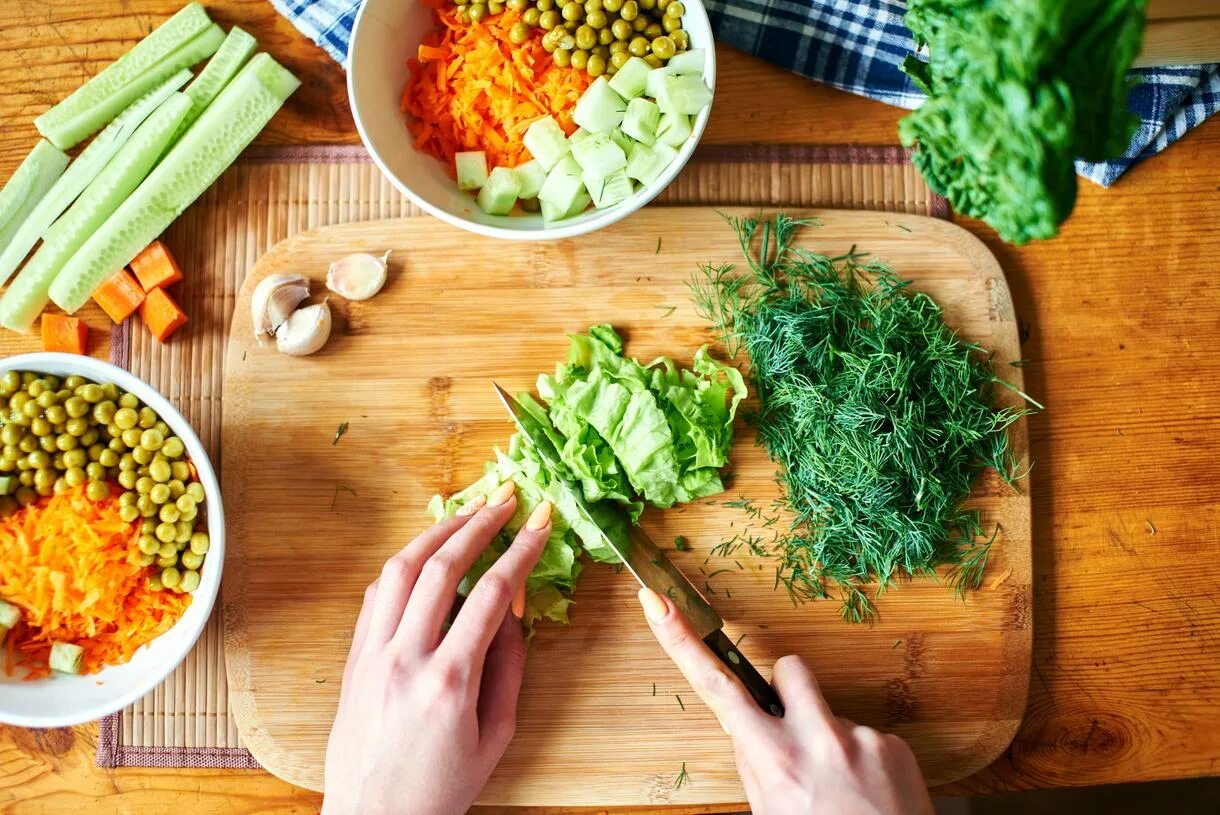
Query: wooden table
[[1122, 310]]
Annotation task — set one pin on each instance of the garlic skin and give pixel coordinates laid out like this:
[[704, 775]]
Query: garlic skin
[[274, 300], [305, 331], [358, 276]]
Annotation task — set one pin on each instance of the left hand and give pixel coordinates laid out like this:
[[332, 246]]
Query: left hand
[[424, 714]]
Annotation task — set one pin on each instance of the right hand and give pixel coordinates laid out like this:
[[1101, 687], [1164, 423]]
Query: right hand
[[810, 760]]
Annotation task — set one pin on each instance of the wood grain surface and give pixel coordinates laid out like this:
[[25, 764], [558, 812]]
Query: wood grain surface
[[409, 373], [1120, 316]]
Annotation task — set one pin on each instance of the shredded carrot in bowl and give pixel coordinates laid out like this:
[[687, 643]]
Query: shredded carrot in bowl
[[471, 88], [71, 566]]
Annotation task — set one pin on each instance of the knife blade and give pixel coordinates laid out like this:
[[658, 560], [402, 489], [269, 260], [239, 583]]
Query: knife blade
[[647, 563]]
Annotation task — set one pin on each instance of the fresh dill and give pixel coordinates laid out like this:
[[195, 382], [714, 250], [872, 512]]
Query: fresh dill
[[680, 544], [658, 251], [896, 644], [334, 499], [339, 433], [683, 777], [680, 704], [879, 415], [739, 639], [666, 311], [1151, 528], [654, 688], [707, 588]]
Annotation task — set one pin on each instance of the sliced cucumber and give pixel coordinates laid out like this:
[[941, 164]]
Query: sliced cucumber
[[632, 78], [683, 93], [530, 176], [562, 188], [225, 129], [645, 164], [181, 41], [234, 52], [500, 192], [688, 62], [551, 212], [599, 108], [652, 85], [606, 191], [673, 129], [620, 138], [10, 615], [471, 167], [66, 657], [81, 171], [641, 120], [599, 155], [546, 142], [580, 135], [28, 295], [27, 186]]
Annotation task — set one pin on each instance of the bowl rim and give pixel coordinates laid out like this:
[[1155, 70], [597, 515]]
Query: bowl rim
[[209, 587], [604, 218]]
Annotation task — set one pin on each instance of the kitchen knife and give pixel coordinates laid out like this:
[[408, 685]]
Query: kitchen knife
[[648, 564]]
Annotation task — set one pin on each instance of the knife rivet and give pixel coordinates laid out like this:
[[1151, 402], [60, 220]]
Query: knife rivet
[[734, 658]]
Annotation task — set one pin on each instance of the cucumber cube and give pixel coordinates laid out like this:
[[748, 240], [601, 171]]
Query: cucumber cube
[[580, 135], [641, 120], [552, 212], [66, 657], [606, 191], [680, 93], [10, 615], [673, 129], [688, 62], [645, 164], [631, 79], [621, 139], [471, 167], [530, 176], [563, 185], [600, 109], [599, 155], [546, 142], [500, 192], [652, 84], [8, 484]]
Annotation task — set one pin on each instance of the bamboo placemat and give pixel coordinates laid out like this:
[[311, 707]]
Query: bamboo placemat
[[274, 193]]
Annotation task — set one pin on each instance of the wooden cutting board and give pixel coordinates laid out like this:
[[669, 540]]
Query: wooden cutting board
[[605, 719]]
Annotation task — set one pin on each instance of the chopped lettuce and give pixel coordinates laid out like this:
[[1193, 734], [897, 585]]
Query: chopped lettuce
[[626, 434]]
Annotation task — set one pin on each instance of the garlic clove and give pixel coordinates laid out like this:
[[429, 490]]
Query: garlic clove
[[358, 276], [305, 331], [274, 300]]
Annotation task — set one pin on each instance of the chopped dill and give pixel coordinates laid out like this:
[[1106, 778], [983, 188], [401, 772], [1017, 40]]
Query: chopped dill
[[896, 644], [658, 251], [683, 777], [739, 639], [339, 434], [1151, 528], [680, 543], [879, 415], [654, 688], [334, 499], [680, 704], [666, 311]]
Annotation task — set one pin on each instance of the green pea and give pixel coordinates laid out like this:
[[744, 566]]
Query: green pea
[[639, 24], [36, 388], [66, 442], [45, 491], [103, 412], [548, 20], [195, 490], [160, 470], [639, 47], [47, 444], [675, 10], [159, 494], [11, 434], [25, 496], [191, 560], [517, 5], [74, 381], [170, 577], [91, 393], [530, 17], [165, 533], [95, 471], [586, 37], [110, 391], [129, 513], [147, 508], [142, 455], [144, 484], [97, 491], [75, 476], [7, 465], [127, 462], [630, 10], [162, 428], [113, 431], [477, 11], [573, 11], [596, 18], [56, 414], [519, 33], [597, 65], [108, 458], [126, 418], [154, 583], [601, 51], [183, 535], [184, 503], [495, 7], [593, 5], [653, 31], [28, 444], [169, 512], [200, 543], [151, 439], [580, 59], [663, 47], [47, 398], [31, 410], [653, 60], [545, 5], [9, 383], [39, 460], [132, 437], [190, 581], [176, 486], [166, 562], [681, 39], [44, 478], [621, 29], [127, 479], [190, 514], [89, 437], [605, 36], [129, 401], [26, 478], [148, 418]]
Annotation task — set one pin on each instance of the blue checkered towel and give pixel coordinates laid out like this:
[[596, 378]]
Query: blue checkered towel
[[857, 45]]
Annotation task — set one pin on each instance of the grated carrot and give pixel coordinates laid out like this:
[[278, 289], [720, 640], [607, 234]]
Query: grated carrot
[[71, 566], [471, 88]]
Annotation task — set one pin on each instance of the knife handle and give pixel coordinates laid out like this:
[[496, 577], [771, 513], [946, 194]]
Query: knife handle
[[759, 688]]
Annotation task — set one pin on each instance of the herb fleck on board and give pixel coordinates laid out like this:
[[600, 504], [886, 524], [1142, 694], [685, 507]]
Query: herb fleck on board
[[339, 433]]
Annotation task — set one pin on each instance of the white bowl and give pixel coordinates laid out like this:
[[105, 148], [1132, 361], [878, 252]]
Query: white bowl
[[386, 33], [64, 700]]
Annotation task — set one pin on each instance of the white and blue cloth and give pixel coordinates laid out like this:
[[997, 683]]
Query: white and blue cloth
[[856, 45]]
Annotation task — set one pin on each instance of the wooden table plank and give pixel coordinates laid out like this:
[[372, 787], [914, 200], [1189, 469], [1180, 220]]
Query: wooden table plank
[[1122, 310]]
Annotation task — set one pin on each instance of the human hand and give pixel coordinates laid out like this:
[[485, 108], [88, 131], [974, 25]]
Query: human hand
[[810, 760], [425, 714]]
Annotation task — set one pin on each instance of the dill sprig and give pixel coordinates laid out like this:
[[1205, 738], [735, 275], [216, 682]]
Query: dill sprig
[[878, 414]]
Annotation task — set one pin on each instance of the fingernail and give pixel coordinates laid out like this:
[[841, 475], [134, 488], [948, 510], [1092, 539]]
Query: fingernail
[[473, 506], [519, 603], [502, 494], [655, 608], [540, 517]]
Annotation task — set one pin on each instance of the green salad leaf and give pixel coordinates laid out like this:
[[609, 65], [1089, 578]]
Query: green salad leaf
[[627, 434]]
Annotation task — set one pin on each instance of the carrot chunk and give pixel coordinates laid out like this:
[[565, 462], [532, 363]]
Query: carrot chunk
[[155, 267], [119, 296], [67, 335], [161, 314]]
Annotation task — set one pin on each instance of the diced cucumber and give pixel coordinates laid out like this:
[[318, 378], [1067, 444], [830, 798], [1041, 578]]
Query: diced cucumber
[[599, 155], [10, 615], [641, 120], [632, 78], [621, 139], [599, 108], [546, 142], [8, 484], [530, 176], [552, 212], [580, 135], [645, 164], [688, 62], [66, 657], [234, 52], [225, 129], [181, 41], [27, 186], [652, 84], [680, 93], [29, 292], [500, 192], [673, 129], [81, 171], [606, 191], [471, 167], [562, 188]]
